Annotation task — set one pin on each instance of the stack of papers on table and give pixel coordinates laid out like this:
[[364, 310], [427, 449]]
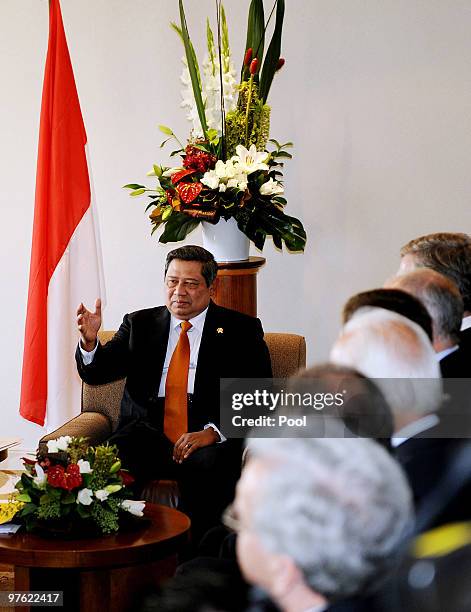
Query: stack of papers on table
[[8, 443]]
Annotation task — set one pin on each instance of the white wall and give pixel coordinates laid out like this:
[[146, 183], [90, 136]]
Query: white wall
[[375, 94]]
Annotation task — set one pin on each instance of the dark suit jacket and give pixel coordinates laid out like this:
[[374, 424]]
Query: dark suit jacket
[[425, 460], [457, 364], [232, 346], [465, 339]]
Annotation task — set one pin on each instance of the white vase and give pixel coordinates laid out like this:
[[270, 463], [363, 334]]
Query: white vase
[[225, 240]]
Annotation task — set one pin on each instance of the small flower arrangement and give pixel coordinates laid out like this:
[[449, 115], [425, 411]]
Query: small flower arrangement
[[227, 170], [71, 483]]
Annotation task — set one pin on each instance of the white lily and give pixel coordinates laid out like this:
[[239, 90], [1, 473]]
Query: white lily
[[41, 478], [225, 170], [85, 497], [134, 507], [84, 466], [271, 187], [59, 444], [250, 160], [101, 494], [210, 179]]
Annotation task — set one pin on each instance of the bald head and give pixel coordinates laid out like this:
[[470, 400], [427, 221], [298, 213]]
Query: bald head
[[441, 297], [397, 353]]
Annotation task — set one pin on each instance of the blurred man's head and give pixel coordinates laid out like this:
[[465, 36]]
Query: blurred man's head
[[363, 409], [397, 353], [392, 299], [445, 252], [319, 519], [441, 297]]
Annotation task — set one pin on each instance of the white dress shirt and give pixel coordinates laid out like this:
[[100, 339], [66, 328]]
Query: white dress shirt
[[466, 323], [194, 337], [414, 428], [448, 351]]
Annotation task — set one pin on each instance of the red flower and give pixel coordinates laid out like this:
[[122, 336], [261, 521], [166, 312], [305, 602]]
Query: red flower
[[181, 174], [73, 477], [254, 66], [126, 478], [56, 476], [248, 56], [67, 479], [198, 160], [280, 64], [189, 191]]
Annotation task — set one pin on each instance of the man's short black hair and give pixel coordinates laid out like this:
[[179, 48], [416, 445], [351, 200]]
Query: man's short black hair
[[209, 267], [395, 300]]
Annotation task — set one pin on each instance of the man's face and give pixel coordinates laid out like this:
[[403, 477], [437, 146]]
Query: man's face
[[186, 292], [254, 560], [408, 264]]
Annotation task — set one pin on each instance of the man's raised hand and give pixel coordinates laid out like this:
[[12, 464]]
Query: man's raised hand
[[88, 325]]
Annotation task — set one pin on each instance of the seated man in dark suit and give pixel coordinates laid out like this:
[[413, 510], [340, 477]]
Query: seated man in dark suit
[[442, 299], [399, 357], [319, 521], [173, 357]]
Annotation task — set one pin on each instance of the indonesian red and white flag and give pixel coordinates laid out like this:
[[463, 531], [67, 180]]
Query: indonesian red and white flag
[[66, 265]]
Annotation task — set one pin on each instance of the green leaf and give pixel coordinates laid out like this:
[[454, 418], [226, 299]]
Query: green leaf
[[273, 54], [275, 142], [173, 153], [167, 212], [225, 33], [133, 186], [69, 498], [193, 70], [255, 32], [23, 497], [166, 130], [158, 170], [164, 142], [138, 192], [28, 509], [83, 511], [211, 49], [283, 155], [177, 227]]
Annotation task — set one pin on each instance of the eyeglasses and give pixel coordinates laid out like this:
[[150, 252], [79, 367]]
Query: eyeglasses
[[230, 519]]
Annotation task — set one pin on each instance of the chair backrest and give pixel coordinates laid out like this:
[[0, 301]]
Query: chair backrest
[[287, 352]]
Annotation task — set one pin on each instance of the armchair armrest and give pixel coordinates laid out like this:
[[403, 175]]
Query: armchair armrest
[[93, 425]]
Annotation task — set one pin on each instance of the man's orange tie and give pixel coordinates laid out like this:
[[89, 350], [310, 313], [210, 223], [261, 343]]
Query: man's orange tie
[[176, 385]]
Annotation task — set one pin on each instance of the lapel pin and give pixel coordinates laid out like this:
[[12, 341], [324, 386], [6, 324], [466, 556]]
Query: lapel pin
[[220, 330]]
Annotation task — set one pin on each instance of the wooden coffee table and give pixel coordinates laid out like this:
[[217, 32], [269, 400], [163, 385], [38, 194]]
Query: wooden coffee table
[[99, 574]]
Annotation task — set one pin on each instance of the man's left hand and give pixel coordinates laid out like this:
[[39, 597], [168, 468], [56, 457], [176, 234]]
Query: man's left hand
[[189, 442]]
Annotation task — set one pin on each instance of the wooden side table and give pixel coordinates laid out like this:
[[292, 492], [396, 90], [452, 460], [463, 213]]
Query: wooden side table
[[99, 574], [236, 285]]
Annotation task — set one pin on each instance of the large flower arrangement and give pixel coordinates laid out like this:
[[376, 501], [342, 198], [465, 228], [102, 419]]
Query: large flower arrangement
[[229, 166], [71, 483]]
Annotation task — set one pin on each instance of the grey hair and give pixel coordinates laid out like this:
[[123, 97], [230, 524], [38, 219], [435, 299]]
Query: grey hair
[[447, 253], [340, 508], [439, 295], [397, 353]]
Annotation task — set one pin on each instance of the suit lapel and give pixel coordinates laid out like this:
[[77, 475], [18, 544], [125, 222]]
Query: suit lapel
[[158, 339], [205, 364]]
